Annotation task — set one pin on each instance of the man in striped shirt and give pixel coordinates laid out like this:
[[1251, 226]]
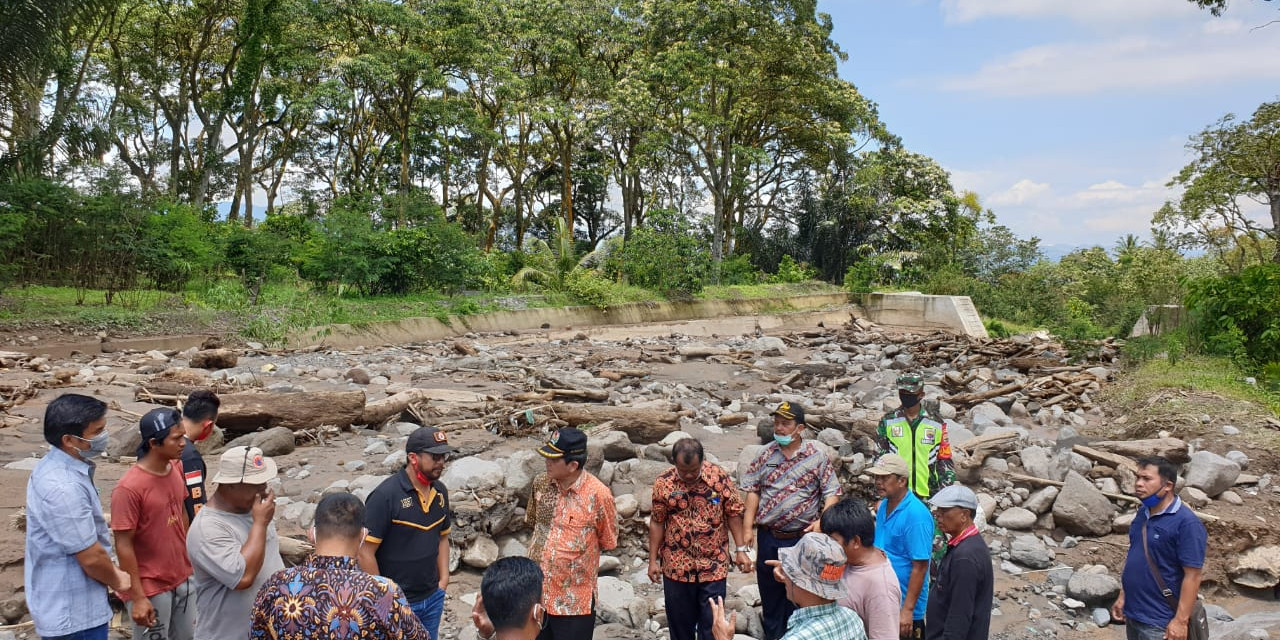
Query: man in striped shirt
[[788, 486]]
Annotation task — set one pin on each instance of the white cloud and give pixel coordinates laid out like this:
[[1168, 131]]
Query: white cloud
[[1129, 63], [1022, 192], [1088, 11]]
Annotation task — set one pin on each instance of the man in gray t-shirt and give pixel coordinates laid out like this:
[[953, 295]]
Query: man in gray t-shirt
[[233, 545]]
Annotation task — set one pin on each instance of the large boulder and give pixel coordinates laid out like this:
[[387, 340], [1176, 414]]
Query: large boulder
[[614, 445], [613, 601], [1093, 588], [1041, 500], [1041, 463], [1030, 551], [1211, 473], [1016, 519], [522, 467], [639, 473], [481, 553], [1257, 569], [276, 441], [473, 473], [1081, 509], [988, 412]]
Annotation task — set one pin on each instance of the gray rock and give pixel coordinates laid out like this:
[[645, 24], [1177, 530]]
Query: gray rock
[[1041, 463], [609, 564], [397, 458], [1030, 551], [1194, 497], [511, 546], [1041, 501], [614, 445], [1231, 497], [1016, 519], [626, 505], [768, 346], [354, 466], [1080, 509], [750, 595], [1101, 617], [473, 473], [1259, 568], [613, 600], [405, 428], [481, 553], [377, 447], [1217, 613], [26, 464], [832, 438], [1228, 430], [357, 375], [276, 441], [946, 411], [1211, 473], [639, 473], [988, 412], [1122, 522], [522, 467], [327, 373], [1010, 568], [1061, 576], [1238, 457], [12, 610], [998, 465], [1093, 588]]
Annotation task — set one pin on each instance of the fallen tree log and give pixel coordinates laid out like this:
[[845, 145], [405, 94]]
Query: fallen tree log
[[159, 391], [701, 351], [1171, 449], [975, 398], [380, 411], [547, 395], [1112, 459], [643, 426], [245, 412]]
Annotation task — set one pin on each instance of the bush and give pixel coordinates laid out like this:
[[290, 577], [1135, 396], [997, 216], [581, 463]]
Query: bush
[[739, 270], [1238, 315], [589, 287], [664, 255], [176, 245], [437, 255], [790, 272], [343, 253]]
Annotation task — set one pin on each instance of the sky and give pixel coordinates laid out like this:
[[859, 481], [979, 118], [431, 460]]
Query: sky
[[1066, 117]]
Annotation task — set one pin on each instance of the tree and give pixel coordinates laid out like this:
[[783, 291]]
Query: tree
[[1216, 7], [1234, 161]]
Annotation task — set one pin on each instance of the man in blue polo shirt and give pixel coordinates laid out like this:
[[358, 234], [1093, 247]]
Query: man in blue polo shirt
[[1176, 541], [904, 530]]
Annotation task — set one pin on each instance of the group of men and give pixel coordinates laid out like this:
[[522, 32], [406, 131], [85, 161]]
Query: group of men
[[206, 567]]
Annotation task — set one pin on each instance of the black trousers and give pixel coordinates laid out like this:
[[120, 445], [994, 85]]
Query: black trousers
[[689, 607], [776, 607], [568, 627]]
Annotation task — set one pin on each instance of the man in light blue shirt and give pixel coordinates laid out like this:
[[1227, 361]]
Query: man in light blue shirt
[[68, 567], [904, 530]]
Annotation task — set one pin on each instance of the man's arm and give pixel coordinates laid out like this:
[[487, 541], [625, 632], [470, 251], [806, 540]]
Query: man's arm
[[142, 612], [960, 613], [1177, 629], [657, 533], [752, 504], [97, 565], [442, 562], [254, 549], [943, 471], [369, 557], [914, 585]]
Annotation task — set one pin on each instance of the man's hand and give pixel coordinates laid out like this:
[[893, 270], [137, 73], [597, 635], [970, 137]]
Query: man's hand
[[814, 527], [777, 570], [480, 618], [655, 571], [264, 510], [123, 582], [905, 619], [722, 628], [742, 560], [1117, 609], [1177, 630], [142, 612]]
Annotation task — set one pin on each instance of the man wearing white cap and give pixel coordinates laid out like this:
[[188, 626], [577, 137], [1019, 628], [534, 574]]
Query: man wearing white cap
[[960, 600], [812, 572], [233, 545]]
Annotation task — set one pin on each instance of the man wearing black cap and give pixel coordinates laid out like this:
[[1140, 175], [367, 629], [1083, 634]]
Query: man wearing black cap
[[583, 524], [150, 525], [408, 521], [919, 436], [788, 486]]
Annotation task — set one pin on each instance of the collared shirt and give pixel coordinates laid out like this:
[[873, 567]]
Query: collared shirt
[[407, 526], [906, 535], [64, 517], [696, 537], [872, 591], [791, 491], [331, 597], [1177, 539], [584, 524], [960, 601], [825, 622]]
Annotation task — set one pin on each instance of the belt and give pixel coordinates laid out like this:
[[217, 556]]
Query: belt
[[783, 535]]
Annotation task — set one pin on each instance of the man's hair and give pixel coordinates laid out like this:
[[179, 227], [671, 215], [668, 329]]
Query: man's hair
[[580, 458], [201, 405], [339, 515], [851, 519], [69, 415], [1166, 469], [687, 450], [510, 587]]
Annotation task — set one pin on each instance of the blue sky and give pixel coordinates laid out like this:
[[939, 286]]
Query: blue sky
[[1067, 117]]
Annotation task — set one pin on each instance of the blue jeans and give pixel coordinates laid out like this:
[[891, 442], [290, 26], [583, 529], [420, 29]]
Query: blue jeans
[[1135, 630], [429, 610], [97, 633]]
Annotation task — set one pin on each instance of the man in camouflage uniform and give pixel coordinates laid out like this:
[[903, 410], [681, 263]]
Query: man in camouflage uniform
[[920, 437]]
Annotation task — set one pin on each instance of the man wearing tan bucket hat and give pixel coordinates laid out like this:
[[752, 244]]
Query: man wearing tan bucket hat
[[233, 544], [812, 572]]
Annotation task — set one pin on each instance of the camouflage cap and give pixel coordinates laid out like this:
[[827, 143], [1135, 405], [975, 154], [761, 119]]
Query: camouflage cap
[[815, 564], [910, 382]]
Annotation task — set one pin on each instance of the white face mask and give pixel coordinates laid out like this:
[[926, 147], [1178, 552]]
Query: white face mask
[[97, 445]]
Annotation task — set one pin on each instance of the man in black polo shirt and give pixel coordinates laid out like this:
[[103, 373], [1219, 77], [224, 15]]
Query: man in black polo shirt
[[408, 521], [960, 600]]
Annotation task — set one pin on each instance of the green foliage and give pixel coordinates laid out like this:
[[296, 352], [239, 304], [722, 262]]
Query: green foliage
[[665, 255], [996, 329], [343, 254], [790, 272], [738, 270], [1238, 315], [589, 287], [437, 256], [175, 246]]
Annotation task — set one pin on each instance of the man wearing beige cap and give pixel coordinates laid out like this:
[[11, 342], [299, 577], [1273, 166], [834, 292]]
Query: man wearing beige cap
[[233, 545], [812, 573], [904, 530]]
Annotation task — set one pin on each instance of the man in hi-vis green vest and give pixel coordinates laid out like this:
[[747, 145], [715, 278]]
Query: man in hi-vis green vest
[[920, 437]]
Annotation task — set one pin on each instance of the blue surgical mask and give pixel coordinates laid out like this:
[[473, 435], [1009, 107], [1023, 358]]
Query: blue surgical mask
[[1151, 501], [783, 440], [97, 445]]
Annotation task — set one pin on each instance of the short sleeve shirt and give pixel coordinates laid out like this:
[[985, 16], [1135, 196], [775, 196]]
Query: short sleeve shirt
[[906, 535], [872, 592], [791, 491], [696, 537], [407, 527], [1177, 539], [193, 476], [584, 524], [824, 622], [213, 543], [151, 507], [64, 517]]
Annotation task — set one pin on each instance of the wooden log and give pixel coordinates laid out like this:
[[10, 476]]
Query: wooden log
[[176, 388], [643, 426], [245, 412], [1172, 449], [378, 412], [214, 359], [701, 351], [974, 398], [547, 395], [1106, 457], [617, 375]]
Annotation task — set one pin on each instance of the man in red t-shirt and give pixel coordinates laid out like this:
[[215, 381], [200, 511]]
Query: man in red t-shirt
[[150, 525]]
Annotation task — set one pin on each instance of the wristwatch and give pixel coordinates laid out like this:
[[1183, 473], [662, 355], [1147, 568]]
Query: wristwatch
[[743, 549]]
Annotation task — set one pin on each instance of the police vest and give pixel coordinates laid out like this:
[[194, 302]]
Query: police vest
[[919, 449]]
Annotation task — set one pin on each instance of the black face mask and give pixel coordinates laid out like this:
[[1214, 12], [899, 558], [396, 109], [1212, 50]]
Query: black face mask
[[908, 399]]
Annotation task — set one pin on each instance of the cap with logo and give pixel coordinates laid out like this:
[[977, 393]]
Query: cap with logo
[[156, 424], [569, 441], [815, 564], [244, 465], [956, 495], [913, 382], [428, 440], [890, 464], [790, 411]]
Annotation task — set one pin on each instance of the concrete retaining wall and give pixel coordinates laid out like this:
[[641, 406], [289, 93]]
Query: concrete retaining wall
[[918, 311]]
